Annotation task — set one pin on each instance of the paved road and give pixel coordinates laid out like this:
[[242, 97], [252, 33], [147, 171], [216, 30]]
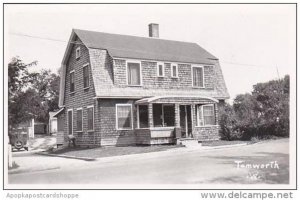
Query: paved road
[[173, 167]]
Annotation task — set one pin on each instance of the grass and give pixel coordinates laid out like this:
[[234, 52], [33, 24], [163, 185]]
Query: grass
[[223, 142], [100, 152]]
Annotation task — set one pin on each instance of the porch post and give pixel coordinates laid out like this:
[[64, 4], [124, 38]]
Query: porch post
[[193, 115], [216, 114], [150, 115], [177, 115]]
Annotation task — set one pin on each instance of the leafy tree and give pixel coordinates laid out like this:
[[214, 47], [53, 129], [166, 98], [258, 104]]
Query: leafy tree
[[31, 95], [261, 114], [272, 99], [18, 80]]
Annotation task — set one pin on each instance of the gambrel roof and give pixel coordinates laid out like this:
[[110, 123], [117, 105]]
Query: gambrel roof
[[140, 48], [125, 46]]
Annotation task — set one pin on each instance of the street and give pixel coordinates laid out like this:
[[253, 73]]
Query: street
[[229, 165]]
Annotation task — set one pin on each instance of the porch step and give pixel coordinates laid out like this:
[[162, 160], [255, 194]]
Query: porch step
[[189, 142]]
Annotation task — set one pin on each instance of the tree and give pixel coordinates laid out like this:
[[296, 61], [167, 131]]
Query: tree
[[46, 84], [31, 95], [261, 114], [273, 104], [18, 80]]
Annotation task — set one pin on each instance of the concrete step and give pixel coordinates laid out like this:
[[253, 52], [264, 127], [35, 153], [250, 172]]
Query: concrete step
[[189, 142]]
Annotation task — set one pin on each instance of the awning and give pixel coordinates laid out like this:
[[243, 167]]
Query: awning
[[178, 99], [57, 113]]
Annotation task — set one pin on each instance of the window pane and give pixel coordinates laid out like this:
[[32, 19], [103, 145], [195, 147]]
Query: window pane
[[174, 68], [70, 122], [169, 115], [160, 70], [90, 118], [134, 74], [143, 115], [79, 120], [157, 115], [72, 85], [198, 77], [86, 77], [124, 116], [208, 115]]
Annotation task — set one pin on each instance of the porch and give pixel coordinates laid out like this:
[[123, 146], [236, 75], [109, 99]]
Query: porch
[[163, 120]]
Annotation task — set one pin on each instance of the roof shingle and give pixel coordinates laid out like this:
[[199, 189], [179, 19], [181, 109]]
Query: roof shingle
[[125, 46]]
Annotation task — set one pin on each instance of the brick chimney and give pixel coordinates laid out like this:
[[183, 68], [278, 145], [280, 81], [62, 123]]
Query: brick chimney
[[153, 30]]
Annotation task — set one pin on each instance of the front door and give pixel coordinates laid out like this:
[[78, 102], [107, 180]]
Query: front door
[[185, 121]]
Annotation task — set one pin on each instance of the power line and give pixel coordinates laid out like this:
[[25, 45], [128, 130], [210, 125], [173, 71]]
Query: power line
[[42, 38], [57, 40]]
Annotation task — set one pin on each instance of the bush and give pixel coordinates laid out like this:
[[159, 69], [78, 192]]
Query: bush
[[262, 114]]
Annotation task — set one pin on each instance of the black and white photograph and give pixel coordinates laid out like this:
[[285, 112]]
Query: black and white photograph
[[149, 96]]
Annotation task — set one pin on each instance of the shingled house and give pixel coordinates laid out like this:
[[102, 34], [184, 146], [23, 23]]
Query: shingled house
[[128, 90]]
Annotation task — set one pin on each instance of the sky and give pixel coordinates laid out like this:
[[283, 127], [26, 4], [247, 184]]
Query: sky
[[254, 42]]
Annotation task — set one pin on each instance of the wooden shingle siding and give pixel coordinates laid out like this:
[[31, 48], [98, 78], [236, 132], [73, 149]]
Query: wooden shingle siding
[[81, 98], [107, 119], [150, 79]]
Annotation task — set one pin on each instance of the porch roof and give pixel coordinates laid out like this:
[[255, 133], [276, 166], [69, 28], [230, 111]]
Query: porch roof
[[58, 112], [178, 99]]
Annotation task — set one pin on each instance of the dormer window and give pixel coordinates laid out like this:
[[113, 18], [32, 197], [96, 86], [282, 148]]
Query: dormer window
[[134, 73], [198, 76], [174, 70], [78, 52], [160, 69]]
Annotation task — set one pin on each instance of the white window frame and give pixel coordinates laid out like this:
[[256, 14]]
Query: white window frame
[[163, 69], [174, 64], [138, 116], [202, 116], [131, 116], [86, 65], [87, 116], [141, 78], [72, 71], [71, 109], [192, 73], [81, 119], [77, 52]]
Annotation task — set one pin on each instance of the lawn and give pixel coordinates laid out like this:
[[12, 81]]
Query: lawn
[[223, 142], [100, 152]]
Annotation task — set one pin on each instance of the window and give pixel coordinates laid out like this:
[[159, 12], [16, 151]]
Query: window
[[169, 115], [123, 116], [70, 121], [79, 119], [78, 52], [90, 118], [163, 115], [86, 80], [72, 82], [160, 69], [133, 73], [174, 70], [205, 115], [198, 78], [143, 116]]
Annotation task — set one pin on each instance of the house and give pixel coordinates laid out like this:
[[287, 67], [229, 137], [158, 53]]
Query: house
[[128, 90], [52, 123]]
